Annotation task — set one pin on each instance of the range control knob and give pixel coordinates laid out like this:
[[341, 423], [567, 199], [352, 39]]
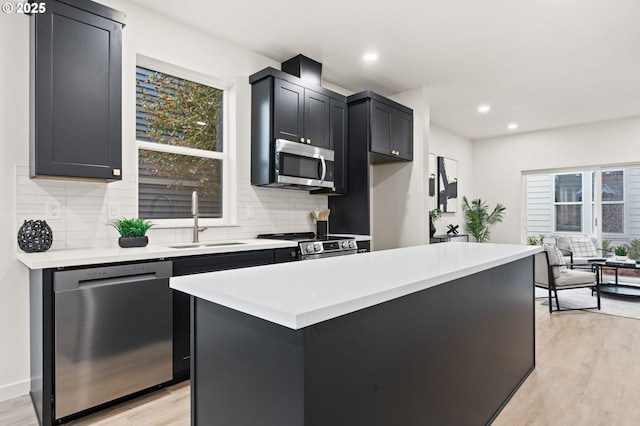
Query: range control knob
[[309, 248], [344, 244], [352, 244], [317, 246]]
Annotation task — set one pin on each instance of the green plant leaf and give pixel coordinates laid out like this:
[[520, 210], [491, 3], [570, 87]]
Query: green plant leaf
[[478, 218], [132, 227]]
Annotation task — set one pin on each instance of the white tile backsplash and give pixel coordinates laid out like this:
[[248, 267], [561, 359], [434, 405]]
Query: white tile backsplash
[[86, 211]]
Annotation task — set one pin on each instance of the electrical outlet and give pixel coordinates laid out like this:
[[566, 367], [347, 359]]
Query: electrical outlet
[[53, 210], [114, 210]]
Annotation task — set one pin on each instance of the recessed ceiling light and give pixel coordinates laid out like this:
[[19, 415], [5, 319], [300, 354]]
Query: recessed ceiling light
[[370, 57], [512, 126], [201, 123], [484, 108]]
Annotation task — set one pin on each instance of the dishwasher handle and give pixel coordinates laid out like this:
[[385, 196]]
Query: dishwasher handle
[[110, 275]]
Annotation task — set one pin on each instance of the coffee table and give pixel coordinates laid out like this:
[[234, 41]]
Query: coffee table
[[616, 288]]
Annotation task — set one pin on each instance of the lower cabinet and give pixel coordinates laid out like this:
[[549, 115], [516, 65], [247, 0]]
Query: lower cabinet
[[182, 301]]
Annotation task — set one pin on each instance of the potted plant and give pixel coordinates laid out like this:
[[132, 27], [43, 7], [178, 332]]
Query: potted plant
[[434, 215], [536, 241], [478, 219], [132, 232], [634, 249], [621, 252]]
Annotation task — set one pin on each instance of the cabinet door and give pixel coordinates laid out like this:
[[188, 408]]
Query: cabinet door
[[77, 114], [316, 119], [288, 111], [403, 135], [381, 128]]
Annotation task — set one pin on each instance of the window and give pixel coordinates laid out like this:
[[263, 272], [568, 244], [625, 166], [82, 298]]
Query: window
[[599, 202], [613, 201], [568, 202], [180, 132]]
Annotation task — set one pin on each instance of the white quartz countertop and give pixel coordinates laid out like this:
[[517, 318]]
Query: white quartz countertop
[[89, 256], [299, 294]]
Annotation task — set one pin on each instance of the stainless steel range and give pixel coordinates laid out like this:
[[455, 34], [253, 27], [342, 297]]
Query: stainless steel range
[[312, 247]]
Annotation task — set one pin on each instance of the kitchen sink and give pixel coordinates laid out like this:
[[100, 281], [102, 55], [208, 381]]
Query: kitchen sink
[[204, 245]]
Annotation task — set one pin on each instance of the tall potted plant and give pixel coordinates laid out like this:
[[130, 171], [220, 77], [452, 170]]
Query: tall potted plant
[[478, 219]]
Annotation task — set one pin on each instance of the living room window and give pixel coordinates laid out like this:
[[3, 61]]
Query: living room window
[[613, 201], [598, 202], [568, 202], [182, 145]]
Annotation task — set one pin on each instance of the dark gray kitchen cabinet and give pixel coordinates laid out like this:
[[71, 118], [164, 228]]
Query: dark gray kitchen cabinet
[[300, 114], [389, 126], [76, 90], [284, 106], [379, 131]]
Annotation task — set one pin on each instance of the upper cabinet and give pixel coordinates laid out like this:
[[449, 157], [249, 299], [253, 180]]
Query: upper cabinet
[[301, 114], [284, 106], [388, 124], [76, 90]]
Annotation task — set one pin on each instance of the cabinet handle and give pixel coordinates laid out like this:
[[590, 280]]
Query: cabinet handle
[[308, 140], [302, 140], [397, 152], [116, 172]]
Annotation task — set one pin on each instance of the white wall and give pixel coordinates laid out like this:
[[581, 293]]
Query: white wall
[[84, 205], [445, 143], [498, 163], [14, 137]]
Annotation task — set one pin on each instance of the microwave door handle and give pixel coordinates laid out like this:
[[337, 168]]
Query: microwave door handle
[[324, 168]]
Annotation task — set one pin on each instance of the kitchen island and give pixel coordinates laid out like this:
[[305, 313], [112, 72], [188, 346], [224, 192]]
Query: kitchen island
[[440, 334]]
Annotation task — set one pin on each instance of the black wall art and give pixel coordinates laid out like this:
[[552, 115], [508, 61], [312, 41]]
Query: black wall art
[[447, 185], [432, 175]]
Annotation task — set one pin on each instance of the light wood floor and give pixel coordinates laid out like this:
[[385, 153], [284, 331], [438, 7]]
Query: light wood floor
[[587, 373]]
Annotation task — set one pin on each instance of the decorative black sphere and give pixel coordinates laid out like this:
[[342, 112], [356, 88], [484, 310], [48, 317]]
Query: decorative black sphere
[[35, 236]]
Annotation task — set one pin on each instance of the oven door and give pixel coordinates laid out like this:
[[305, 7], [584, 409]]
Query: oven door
[[303, 165]]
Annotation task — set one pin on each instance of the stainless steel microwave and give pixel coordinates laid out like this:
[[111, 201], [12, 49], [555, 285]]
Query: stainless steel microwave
[[301, 166]]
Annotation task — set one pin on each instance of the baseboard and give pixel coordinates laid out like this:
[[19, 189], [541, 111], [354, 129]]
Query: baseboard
[[14, 390]]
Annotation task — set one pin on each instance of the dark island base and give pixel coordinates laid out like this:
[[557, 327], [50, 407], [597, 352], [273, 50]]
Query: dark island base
[[449, 355]]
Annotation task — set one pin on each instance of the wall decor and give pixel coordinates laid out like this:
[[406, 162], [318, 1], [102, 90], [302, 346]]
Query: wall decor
[[35, 236], [432, 175], [447, 185]]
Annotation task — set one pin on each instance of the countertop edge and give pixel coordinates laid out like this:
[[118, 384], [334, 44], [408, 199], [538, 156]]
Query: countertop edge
[[91, 256]]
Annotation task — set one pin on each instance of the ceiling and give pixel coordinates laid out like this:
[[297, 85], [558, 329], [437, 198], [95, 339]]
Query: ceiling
[[540, 63]]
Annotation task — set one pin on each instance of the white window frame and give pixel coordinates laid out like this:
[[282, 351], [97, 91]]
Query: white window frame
[[582, 203], [623, 202], [227, 156]]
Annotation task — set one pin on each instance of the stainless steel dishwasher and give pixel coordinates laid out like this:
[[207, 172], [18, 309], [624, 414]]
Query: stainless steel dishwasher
[[113, 333]]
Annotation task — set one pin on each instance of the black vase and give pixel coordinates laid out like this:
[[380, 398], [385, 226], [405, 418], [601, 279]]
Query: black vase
[[432, 229], [35, 236], [127, 242]]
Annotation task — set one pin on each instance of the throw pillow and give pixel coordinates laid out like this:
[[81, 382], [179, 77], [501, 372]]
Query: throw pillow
[[583, 248], [556, 260]]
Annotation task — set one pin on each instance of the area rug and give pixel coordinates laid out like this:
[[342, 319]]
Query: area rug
[[581, 297]]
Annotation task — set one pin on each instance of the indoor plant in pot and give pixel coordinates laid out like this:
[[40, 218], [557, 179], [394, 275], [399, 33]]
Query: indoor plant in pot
[[132, 232], [478, 218], [621, 252]]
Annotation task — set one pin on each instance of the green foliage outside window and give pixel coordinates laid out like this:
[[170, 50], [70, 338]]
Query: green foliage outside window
[[182, 113]]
